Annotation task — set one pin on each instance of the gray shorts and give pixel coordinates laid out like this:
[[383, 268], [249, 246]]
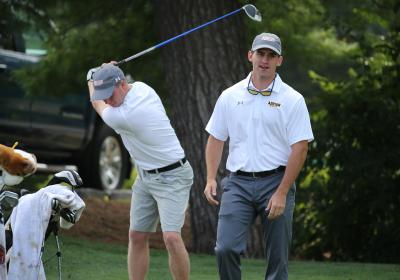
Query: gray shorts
[[161, 197]]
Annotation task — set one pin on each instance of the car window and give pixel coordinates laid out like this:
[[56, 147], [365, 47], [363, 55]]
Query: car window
[[6, 41], [17, 50], [28, 41], [11, 61], [34, 43]]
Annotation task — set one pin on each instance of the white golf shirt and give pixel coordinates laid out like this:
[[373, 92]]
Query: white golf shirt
[[261, 129], [145, 128]]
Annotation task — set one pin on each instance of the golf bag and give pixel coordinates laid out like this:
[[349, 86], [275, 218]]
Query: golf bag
[[36, 216]]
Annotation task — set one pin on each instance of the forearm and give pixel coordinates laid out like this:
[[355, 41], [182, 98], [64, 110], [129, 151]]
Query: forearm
[[214, 150], [98, 105], [295, 163]]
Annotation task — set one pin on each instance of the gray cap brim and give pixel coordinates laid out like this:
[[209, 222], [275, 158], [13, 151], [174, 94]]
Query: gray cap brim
[[103, 89], [102, 94], [267, 46]]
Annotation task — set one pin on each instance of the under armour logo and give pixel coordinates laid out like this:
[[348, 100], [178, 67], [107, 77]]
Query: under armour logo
[[240, 103]]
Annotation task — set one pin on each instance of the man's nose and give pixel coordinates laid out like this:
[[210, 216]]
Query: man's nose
[[265, 58]]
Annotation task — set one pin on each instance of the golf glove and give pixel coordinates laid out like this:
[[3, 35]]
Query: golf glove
[[89, 76]]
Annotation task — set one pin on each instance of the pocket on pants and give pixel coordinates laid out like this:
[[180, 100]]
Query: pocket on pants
[[227, 198], [225, 184]]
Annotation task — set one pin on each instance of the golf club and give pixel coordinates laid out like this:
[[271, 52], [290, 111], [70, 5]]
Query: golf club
[[250, 10]]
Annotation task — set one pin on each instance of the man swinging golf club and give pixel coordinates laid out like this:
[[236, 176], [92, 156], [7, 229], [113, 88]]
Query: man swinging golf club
[[161, 190], [164, 176]]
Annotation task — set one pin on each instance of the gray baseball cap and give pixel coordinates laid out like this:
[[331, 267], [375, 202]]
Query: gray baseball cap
[[104, 81], [267, 41]]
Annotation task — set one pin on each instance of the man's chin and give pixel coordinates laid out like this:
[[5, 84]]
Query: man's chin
[[265, 74], [264, 71]]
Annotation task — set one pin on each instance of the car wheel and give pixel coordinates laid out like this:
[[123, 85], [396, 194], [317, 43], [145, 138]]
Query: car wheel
[[108, 163]]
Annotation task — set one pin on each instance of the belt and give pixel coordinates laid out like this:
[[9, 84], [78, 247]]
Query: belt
[[260, 174], [168, 167]]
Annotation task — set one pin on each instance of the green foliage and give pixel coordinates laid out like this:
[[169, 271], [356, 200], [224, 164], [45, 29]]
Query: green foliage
[[350, 210], [308, 42], [85, 35], [128, 183]]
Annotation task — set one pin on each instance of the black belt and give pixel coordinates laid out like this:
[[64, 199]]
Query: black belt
[[168, 167], [260, 174]]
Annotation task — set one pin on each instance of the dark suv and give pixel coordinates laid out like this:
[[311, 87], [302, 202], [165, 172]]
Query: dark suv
[[57, 129]]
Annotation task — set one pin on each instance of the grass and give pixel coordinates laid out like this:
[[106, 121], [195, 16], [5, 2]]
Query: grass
[[92, 260]]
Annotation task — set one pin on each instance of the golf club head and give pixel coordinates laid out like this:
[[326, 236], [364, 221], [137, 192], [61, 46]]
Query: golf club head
[[8, 200], [252, 12], [68, 215], [69, 177]]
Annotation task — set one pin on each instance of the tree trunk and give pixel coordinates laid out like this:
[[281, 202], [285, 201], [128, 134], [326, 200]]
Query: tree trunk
[[198, 68]]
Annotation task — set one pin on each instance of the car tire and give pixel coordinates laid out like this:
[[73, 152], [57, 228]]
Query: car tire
[[106, 164]]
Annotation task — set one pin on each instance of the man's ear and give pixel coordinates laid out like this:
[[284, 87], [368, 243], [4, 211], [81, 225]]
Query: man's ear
[[250, 55], [280, 61], [124, 84]]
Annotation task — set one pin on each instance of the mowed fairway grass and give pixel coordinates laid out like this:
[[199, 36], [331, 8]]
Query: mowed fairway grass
[[88, 260]]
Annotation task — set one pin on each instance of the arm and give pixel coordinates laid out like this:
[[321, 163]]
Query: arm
[[276, 204], [98, 105], [214, 150]]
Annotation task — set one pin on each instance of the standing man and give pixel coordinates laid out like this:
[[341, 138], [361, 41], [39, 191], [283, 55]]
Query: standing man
[[269, 128], [161, 190]]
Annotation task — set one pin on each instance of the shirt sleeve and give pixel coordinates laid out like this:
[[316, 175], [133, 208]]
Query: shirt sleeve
[[299, 125], [217, 125], [113, 118]]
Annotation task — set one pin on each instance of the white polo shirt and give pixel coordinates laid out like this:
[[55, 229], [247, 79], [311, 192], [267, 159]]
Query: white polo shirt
[[145, 128], [261, 129]]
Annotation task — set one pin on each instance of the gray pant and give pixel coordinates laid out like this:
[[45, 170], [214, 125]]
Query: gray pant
[[243, 199]]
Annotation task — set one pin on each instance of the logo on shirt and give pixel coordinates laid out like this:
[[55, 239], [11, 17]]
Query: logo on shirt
[[240, 103], [274, 104]]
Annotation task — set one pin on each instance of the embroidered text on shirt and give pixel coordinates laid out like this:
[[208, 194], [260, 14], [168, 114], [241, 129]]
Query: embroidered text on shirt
[[274, 104]]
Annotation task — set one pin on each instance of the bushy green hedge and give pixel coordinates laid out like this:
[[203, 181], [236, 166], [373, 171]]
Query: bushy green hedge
[[348, 204]]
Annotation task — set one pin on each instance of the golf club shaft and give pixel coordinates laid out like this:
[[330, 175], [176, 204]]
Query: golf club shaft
[[177, 37], [58, 256]]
